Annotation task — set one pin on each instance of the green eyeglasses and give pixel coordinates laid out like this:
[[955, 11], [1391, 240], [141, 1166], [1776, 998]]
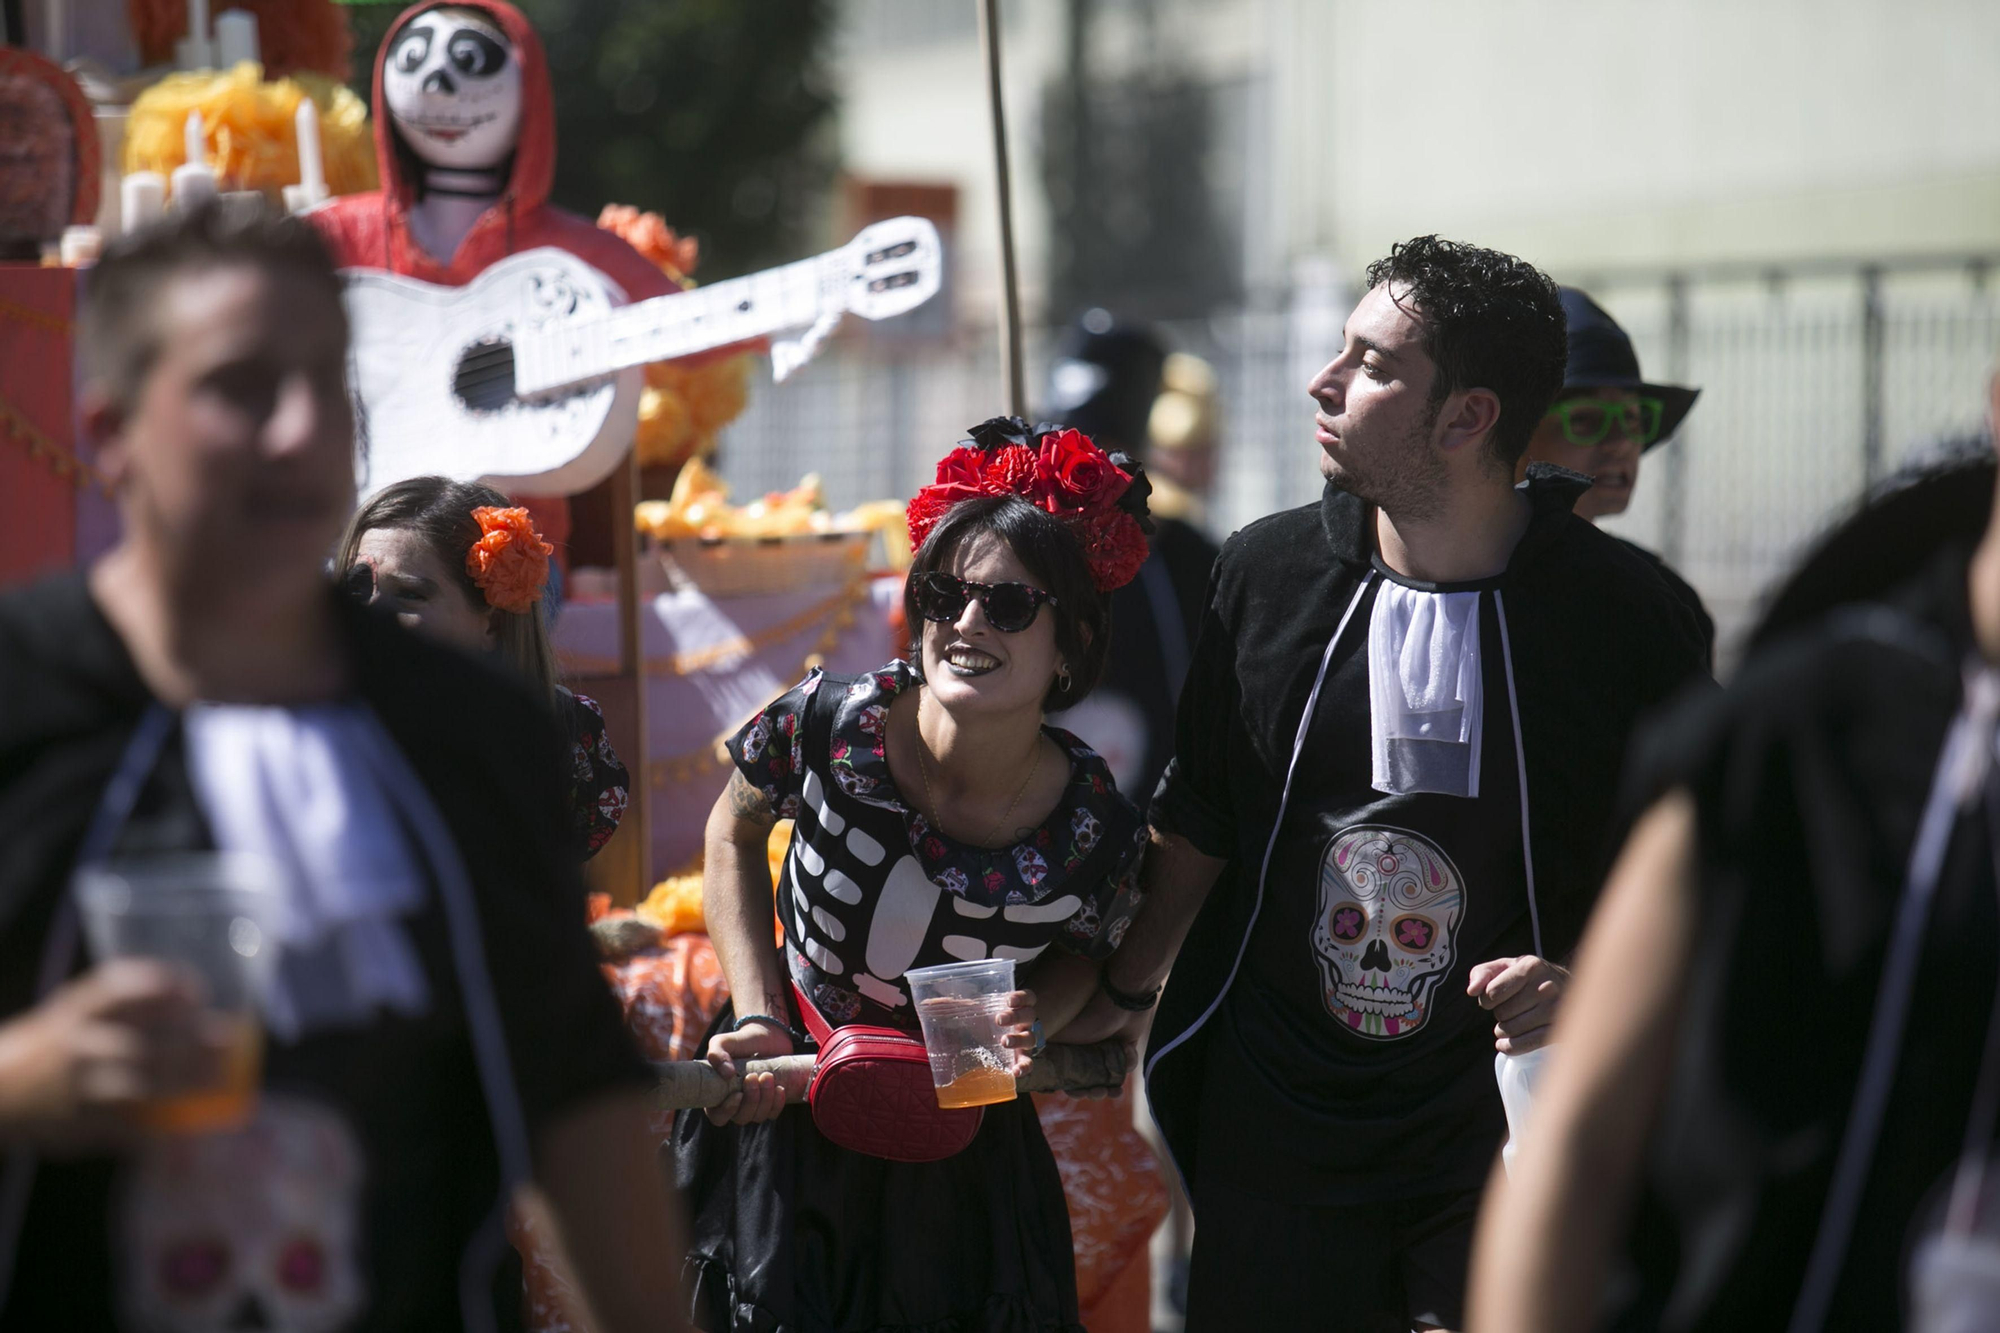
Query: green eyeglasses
[[1589, 421]]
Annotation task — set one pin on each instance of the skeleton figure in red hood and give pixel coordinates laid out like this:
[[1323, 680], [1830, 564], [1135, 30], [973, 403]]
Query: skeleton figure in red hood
[[465, 140]]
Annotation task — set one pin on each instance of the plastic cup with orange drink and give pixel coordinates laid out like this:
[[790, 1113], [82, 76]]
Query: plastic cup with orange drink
[[959, 1006], [212, 915]]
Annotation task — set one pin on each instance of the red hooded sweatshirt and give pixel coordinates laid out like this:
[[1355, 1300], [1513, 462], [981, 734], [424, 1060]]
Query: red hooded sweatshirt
[[373, 230]]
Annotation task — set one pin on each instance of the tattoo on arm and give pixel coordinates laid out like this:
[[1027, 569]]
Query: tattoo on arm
[[749, 804]]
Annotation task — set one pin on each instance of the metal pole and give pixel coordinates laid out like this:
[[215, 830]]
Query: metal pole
[[1872, 351], [1010, 287], [632, 667], [1673, 506]]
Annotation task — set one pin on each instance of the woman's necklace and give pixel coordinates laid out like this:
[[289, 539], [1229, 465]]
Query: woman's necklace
[[924, 767]]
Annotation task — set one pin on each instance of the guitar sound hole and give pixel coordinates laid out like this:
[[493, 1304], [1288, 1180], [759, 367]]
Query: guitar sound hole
[[484, 381]]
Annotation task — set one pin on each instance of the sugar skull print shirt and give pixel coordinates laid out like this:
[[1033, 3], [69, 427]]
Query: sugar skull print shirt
[[1348, 1037], [870, 890]]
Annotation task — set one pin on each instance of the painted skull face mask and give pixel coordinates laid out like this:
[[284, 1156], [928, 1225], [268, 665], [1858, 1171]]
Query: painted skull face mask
[[452, 84]]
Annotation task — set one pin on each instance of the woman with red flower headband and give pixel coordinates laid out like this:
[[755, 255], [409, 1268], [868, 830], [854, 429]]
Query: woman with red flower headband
[[452, 560], [938, 820]]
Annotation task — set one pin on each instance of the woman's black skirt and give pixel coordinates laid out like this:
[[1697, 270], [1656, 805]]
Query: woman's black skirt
[[792, 1234]]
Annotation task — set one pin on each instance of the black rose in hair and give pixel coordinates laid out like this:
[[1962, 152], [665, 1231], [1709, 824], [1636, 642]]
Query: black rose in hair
[[999, 432], [1134, 500]]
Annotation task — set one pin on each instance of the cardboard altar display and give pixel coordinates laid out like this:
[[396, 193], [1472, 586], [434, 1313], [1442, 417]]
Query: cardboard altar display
[[52, 497], [713, 662]]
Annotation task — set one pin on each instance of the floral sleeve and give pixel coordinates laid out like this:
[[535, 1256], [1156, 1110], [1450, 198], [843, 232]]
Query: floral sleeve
[[598, 781], [1099, 925], [770, 750]]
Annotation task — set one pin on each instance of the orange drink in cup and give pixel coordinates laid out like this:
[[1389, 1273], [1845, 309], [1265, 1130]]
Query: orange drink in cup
[[959, 1006], [213, 916]]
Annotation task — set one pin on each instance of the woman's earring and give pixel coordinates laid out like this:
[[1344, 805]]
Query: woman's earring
[[1062, 674]]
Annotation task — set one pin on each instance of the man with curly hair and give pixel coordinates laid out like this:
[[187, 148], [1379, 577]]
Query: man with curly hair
[[1397, 751]]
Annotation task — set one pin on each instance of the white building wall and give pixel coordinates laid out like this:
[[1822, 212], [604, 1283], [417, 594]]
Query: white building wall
[[1579, 133]]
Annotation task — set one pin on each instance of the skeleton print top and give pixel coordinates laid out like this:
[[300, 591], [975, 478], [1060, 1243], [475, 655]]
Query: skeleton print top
[[869, 889]]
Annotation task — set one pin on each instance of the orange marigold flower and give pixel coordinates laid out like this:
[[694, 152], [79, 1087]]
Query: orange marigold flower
[[649, 234], [510, 562]]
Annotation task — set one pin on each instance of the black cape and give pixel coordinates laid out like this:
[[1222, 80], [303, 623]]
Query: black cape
[[1809, 775], [70, 701], [1597, 640]]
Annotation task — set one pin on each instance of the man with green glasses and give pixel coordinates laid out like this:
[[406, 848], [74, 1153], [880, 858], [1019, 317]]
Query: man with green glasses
[[1605, 417]]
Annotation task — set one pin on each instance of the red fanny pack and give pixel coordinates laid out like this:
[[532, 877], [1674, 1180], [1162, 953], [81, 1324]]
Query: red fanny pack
[[872, 1093]]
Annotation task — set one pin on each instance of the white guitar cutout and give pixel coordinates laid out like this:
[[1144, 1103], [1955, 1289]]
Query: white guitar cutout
[[528, 376]]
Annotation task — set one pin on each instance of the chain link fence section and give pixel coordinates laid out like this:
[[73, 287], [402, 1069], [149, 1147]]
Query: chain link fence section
[[1816, 382]]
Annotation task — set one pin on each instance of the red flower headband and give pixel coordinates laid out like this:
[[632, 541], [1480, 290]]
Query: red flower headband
[[1102, 497], [510, 561]]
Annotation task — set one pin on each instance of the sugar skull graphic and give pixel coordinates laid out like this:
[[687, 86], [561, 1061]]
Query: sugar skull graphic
[[255, 1228], [1390, 904]]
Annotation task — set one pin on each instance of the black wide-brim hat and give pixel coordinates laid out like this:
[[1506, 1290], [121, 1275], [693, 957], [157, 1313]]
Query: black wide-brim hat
[[1601, 357]]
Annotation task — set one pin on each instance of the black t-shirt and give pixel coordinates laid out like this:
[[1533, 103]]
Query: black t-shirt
[[1348, 1039], [1809, 776], [367, 1190]]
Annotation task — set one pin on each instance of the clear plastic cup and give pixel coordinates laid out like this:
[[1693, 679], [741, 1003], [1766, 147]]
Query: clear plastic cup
[[959, 1005], [212, 914]]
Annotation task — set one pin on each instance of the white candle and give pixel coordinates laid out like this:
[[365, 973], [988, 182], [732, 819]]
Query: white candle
[[194, 140], [194, 51], [193, 186], [312, 168], [235, 38], [80, 246], [142, 197], [193, 181]]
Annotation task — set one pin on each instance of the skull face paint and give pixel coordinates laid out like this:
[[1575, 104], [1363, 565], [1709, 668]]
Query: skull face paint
[[452, 84], [1390, 904]]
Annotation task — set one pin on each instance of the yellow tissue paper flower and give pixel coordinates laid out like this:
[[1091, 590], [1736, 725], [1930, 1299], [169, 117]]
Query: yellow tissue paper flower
[[250, 128]]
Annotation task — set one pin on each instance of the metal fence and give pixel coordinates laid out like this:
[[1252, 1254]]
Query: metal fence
[[1816, 380]]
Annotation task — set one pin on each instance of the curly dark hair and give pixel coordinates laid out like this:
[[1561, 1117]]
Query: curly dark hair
[[1490, 321]]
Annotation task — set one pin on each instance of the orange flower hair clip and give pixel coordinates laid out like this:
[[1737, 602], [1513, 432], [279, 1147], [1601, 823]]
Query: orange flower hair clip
[[510, 561]]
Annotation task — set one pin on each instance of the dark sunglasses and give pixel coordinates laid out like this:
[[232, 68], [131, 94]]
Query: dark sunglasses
[[1010, 607], [1588, 421]]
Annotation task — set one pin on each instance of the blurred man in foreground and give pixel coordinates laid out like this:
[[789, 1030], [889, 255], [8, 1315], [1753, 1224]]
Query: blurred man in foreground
[[438, 1034], [1774, 1099], [1606, 417], [1407, 710]]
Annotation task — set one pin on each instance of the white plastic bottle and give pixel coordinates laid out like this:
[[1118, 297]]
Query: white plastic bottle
[[1518, 1076]]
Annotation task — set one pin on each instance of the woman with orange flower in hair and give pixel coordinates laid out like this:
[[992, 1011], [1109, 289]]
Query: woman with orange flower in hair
[[452, 560], [939, 819]]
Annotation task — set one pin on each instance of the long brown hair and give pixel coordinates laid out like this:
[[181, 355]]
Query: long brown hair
[[439, 510]]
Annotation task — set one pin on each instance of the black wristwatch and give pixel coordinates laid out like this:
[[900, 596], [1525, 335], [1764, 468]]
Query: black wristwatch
[[1126, 1000]]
